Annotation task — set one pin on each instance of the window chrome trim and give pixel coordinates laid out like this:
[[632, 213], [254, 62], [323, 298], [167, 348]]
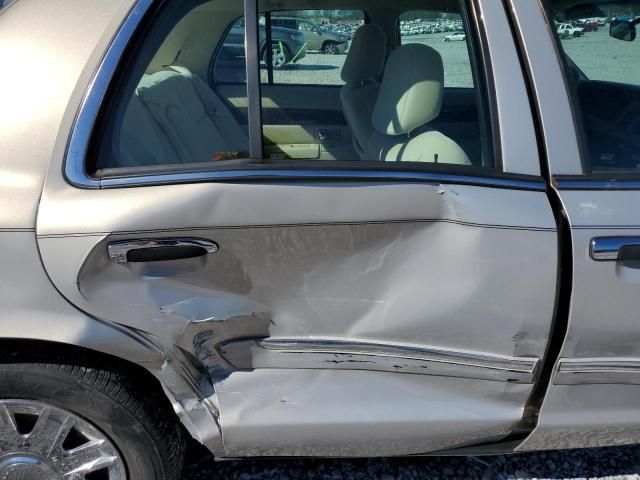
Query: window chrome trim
[[266, 175], [74, 167], [334, 353]]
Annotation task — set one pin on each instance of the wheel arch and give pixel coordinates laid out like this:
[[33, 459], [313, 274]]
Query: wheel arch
[[28, 350]]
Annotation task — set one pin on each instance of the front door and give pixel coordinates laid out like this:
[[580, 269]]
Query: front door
[[589, 99]]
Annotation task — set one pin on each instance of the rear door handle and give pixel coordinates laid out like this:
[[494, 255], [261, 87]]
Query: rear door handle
[[615, 248], [159, 249]]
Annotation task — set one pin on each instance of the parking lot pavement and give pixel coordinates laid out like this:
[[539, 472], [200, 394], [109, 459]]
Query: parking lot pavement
[[606, 463], [595, 53], [321, 69]]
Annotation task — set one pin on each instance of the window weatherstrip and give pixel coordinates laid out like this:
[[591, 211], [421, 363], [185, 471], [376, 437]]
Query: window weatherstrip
[[270, 175], [252, 54]]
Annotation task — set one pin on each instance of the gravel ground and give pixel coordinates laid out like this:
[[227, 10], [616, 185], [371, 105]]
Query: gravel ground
[[605, 463]]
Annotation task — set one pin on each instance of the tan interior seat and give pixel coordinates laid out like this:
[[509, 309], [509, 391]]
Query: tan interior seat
[[410, 97], [142, 141], [364, 63], [196, 121]]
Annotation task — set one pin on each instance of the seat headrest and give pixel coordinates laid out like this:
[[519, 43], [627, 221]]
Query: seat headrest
[[411, 90], [366, 55]]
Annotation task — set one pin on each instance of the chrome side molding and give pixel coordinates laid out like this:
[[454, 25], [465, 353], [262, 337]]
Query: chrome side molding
[[607, 370], [327, 353]]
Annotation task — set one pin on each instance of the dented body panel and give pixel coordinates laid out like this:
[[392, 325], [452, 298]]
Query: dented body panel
[[422, 284]]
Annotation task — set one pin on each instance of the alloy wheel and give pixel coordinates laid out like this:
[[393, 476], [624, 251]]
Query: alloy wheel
[[330, 49], [39, 441], [279, 56]]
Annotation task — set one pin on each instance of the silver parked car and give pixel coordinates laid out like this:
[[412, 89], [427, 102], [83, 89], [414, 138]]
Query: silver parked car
[[423, 250], [316, 37]]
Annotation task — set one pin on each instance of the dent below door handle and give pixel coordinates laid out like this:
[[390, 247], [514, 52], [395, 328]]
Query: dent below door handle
[[160, 249], [615, 248]]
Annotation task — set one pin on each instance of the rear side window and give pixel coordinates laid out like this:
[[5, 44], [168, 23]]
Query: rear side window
[[602, 68], [336, 91], [162, 112]]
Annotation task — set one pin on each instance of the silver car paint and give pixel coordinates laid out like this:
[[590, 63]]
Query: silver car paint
[[286, 272], [74, 226], [36, 95], [345, 413], [592, 400]]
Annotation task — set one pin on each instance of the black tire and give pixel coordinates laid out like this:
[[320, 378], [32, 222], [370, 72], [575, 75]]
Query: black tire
[[284, 55], [131, 413], [330, 48]]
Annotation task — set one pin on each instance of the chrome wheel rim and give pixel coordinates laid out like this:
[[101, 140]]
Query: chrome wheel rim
[[42, 442], [278, 59], [331, 49]]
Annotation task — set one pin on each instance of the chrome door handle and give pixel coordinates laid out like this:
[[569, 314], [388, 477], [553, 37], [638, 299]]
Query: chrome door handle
[[615, 248], [159, 249]]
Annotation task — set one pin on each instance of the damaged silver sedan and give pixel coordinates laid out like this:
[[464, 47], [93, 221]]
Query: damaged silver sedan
[[418, 248]]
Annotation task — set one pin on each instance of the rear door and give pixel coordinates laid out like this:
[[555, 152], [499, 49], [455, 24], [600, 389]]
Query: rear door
[[337, 309], [588, 92]]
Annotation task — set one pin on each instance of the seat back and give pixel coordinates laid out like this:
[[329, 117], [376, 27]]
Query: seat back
[[194, 118], [410, 97], [364, 63], [142, 141]]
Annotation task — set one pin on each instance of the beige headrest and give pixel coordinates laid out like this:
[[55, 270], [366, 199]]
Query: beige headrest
[[366, 55], [411, 91]]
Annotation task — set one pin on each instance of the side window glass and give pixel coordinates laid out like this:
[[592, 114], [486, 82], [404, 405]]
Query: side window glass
[[334, 92], [443, 31], [368, 118], [309, 47], [602, 60], [166, 113], [230, 65]]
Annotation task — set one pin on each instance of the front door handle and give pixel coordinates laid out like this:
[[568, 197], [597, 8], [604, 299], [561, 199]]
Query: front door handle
[[159, 249], [615, 248]]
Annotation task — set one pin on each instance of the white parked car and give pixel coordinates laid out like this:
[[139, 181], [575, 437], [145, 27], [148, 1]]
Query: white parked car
[[455, 37], [566, 30]]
